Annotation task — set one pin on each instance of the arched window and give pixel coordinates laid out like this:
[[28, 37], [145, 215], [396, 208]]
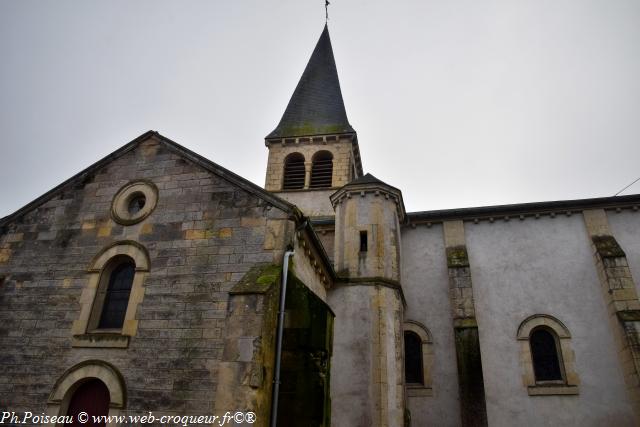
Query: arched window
[[548, 360], [412, 358], [110, 298], [418, 359], [293, 172], [116, 289], [322, 170], [92, 398], [545, 355]]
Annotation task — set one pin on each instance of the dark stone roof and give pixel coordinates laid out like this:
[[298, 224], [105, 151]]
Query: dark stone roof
[[567, 207], [367, 179], [370, 179], [316, 106]]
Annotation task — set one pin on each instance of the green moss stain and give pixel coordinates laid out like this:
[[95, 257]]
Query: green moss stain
[[470, 380], [457, 256], [607, 246], [308, 129], [257, 280]]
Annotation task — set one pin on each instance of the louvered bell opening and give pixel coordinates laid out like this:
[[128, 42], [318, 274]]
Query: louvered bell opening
[[322, 171], [294, 173]]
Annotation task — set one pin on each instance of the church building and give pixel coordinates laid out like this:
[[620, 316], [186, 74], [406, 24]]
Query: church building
[[156, 282]]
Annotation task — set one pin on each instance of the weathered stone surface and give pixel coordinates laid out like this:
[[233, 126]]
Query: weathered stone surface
[[204, 235]]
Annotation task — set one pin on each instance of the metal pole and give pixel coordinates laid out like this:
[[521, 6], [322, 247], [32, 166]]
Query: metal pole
[[276, 380]]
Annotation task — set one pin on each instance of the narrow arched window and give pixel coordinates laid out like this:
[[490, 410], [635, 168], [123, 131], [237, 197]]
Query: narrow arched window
[[412, 358], [322, 170], [545, 354], [293, 172], [116, 297]]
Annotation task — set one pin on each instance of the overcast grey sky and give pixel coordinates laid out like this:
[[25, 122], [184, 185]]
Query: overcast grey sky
[[456, 102]]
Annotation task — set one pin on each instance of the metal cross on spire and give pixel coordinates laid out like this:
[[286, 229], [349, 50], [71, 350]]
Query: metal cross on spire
[[326, 10]]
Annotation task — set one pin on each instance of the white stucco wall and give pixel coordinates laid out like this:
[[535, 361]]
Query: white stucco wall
[[626, 229], [543, 266], [426, 289], [352, 397], [366, 338]]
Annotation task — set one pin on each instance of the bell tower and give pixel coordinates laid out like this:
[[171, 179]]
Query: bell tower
[[314, 150]]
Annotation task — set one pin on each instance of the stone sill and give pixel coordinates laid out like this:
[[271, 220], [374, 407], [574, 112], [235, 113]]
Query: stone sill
[[106, 339], [553, 390], [419, 390]]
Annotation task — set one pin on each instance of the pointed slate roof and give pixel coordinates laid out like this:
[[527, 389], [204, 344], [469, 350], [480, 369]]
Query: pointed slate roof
[[369, 179], [316, 106]]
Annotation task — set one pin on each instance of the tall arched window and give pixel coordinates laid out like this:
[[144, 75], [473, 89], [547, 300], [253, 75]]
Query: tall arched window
[[412, 358], [546, 355], [120, 271], [293, 172], [418, 359], [111, 295], [322, 170]]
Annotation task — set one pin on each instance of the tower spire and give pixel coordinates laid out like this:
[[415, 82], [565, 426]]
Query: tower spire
[[326, 10], [316, 106]]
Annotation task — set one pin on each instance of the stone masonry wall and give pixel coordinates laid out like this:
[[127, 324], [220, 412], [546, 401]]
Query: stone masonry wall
[[202, 237], [342, 160]]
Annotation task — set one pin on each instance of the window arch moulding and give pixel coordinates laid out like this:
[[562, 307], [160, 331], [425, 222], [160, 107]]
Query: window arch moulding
[[85, 329], [570, 381], [426, 388], [68, 383]]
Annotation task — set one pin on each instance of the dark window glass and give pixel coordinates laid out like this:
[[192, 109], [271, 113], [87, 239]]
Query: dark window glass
[[363, 241], [117, 297], [321, 170], [293, 172], [136, 203], [412, 358], [546, 363]]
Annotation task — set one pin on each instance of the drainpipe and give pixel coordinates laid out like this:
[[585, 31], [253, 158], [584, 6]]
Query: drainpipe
[[276, 380]]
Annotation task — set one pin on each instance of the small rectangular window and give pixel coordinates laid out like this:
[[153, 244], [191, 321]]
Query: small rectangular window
[[363, 241]]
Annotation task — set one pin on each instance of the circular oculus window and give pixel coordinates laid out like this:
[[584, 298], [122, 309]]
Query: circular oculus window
[[134, 202]]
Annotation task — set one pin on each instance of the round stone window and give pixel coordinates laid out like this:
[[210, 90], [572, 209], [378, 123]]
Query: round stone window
[[134, 202]]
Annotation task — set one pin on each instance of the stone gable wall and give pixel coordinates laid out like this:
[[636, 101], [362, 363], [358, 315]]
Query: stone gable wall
[[202, 237]]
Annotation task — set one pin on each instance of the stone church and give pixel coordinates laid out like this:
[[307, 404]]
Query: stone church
[[156, 282]]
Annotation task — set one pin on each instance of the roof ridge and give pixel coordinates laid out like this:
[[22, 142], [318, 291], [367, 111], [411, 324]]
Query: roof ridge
[[203, 162]]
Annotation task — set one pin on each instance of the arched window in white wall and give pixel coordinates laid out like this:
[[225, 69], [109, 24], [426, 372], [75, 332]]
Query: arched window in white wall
[[547, 357], [418, 359]]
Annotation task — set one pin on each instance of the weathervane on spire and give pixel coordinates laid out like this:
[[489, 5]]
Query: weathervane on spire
[[326, 10]]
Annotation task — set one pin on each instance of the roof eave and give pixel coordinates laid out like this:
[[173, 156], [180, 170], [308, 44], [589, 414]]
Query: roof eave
[[513, 210]]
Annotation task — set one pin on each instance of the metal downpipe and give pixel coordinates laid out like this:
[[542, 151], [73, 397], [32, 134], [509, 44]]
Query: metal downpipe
[[280, 330]]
